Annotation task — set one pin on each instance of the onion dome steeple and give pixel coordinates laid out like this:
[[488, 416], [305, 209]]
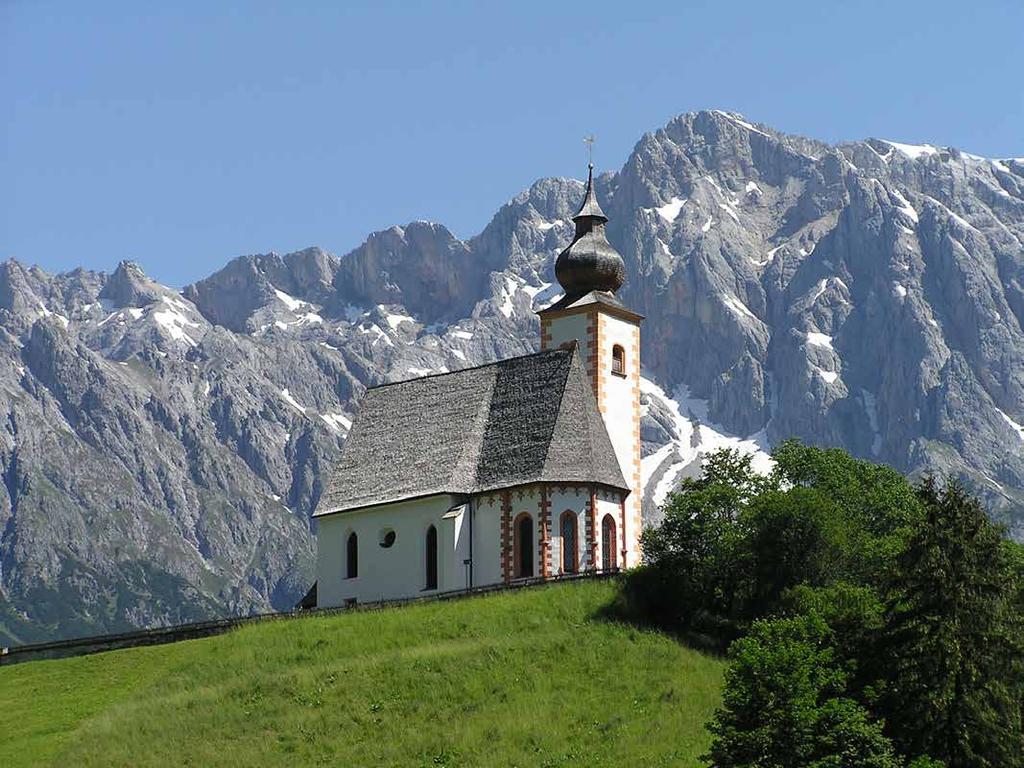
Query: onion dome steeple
[[590, 263]]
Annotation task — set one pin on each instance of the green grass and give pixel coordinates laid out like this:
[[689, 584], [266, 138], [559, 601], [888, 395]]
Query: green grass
[[527, 678]]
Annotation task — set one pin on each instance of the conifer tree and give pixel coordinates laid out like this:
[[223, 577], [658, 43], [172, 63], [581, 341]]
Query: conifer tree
[[951, 656]]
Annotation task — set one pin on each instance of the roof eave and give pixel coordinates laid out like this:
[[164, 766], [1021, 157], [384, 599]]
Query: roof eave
[[561, 481], [613, 309], [401, 500]]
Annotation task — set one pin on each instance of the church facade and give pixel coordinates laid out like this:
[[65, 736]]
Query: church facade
[[524, 468]]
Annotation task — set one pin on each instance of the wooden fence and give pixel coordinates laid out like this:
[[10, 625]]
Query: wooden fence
[[81, 646]]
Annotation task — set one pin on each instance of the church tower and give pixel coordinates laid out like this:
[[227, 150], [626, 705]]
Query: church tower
[[591, 271]]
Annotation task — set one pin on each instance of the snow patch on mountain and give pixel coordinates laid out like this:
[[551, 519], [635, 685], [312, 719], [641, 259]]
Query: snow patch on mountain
[[904, 206], [670, 211], [290, 399], [337, 421], [738, 120], [544, 226], [173, 319], [738, 308], [913, 151], [395, 319], [729, 210], [1013, 424], [819, 340], [694, 436], [829, 376]]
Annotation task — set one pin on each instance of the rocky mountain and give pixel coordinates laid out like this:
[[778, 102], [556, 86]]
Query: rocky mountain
[[162, 450]]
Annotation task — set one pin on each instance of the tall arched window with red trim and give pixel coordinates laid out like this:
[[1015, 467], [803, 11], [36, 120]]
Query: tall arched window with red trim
[[570, 556], [609, 561]]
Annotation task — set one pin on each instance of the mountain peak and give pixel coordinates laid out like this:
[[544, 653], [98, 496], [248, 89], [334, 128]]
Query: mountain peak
[[129, 286]]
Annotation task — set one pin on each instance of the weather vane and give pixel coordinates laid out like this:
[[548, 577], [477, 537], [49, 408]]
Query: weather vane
[[589, 141]]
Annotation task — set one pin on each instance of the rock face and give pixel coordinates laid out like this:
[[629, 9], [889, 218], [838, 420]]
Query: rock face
[[161, 451]]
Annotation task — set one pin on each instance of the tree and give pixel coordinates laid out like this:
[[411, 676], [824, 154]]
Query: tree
[[784, 704], [733, 541], [880, 507], [951, 653], [855, 615], [794, 537], [696, 577]]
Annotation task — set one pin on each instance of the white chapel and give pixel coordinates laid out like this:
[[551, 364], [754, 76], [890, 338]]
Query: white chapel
[[521, 469]]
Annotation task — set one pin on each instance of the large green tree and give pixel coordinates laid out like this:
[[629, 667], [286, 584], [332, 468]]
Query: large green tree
[[951, 653], [785, 704], [733, 541], [870, 605], [878, 506], [697, 573], [793, 537]]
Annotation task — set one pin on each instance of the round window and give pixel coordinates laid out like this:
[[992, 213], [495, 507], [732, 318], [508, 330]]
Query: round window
[[387, 538]]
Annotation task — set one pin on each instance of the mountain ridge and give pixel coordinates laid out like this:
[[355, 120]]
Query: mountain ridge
[[769, 267]]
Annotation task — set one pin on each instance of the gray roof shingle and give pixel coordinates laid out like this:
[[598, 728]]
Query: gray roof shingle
[[523, 420]]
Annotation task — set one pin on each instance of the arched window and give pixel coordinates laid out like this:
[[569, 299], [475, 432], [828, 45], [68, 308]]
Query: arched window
[[431, 558], [618, 360], [352, 556], [523, 549], [570, 558], [609, 562]]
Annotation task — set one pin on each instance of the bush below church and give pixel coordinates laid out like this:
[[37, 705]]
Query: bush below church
[[869, 622]]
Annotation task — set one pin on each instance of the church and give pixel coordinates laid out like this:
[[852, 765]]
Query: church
[[521, 469]]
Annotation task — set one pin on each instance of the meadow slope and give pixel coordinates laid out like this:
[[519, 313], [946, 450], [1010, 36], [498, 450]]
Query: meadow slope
[[529, 678]]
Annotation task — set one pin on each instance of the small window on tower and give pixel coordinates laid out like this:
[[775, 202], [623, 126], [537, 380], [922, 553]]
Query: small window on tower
[[618, 360]]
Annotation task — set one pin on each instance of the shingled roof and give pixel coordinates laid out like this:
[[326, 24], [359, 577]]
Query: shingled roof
[[523, 420]]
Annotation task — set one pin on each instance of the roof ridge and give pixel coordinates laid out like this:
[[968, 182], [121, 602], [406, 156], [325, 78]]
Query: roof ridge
[[470, 368]]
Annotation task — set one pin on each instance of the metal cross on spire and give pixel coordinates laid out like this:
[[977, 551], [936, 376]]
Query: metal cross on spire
[[589, 141]]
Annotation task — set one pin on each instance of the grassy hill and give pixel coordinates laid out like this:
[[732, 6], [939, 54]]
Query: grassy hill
[[529, 678]]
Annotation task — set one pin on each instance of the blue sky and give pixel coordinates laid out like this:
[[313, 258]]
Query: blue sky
[[183, 134]]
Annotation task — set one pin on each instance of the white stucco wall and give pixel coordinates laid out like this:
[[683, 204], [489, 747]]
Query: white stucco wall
[[400, 570], [617, 391], [487, 541], [619, 398], [488, 568], [570, 328]]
